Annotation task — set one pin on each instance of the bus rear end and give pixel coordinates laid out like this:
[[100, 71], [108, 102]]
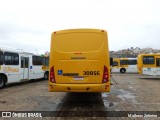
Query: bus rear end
[[79, 61]]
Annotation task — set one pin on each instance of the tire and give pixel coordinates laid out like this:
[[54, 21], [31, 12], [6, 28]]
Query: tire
[[123, 70], [46, 76], [2, 82]]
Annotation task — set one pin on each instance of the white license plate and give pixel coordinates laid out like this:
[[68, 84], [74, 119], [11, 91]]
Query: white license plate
[[78, 78]]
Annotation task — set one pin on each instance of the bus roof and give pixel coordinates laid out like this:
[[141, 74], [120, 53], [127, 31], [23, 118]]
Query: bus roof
[[124, 58], [78, 30], [149, 55], [17, 51]]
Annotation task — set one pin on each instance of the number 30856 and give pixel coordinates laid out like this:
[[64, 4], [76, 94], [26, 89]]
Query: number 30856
[[91, 72]]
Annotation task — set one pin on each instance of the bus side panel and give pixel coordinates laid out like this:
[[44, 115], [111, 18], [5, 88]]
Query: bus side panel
[[12, 72], [132, 69], [38, 72], [149, 71]]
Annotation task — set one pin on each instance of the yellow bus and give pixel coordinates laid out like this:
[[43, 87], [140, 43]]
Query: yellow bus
[[149, 64], [124, 65], [79, 61]]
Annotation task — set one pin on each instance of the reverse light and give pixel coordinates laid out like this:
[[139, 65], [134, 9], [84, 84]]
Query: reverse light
[[105, 75], [52, 76]]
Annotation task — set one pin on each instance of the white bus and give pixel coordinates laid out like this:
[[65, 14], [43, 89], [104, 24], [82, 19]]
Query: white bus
[[19, 66], [125, 65]]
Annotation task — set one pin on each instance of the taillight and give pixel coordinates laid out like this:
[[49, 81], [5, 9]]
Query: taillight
[[105, 75], [52, 76]]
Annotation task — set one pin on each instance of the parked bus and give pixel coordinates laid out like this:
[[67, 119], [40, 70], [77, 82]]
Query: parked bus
[[79, 61], [125, 65], [149, 64], [19, 66], [45, 66]]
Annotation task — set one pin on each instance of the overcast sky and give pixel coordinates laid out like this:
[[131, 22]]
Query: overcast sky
[[28, 24]]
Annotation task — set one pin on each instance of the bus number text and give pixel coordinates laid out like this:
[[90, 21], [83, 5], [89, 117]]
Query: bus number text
[[91, 72]]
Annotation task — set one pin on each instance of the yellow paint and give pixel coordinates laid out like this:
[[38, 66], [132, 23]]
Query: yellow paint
[[45, 68], [10, 69], [77, 51]]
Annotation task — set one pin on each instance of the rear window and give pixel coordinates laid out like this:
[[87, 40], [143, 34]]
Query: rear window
[[78, 42]]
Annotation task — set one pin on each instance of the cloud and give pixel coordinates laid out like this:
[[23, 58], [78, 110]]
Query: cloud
[[22, 37], [28, 24]]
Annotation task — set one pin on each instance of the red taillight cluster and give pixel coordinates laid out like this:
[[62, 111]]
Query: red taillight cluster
[[52, 76], [105, 75]]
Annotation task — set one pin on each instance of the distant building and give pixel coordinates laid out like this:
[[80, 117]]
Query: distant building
[[132, 52]]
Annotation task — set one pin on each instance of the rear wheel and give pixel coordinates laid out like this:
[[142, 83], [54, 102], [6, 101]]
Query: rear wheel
[[46, 76], [123, 70], [2, 82]]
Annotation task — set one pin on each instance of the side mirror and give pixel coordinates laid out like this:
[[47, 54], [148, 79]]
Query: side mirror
[[111, 61]]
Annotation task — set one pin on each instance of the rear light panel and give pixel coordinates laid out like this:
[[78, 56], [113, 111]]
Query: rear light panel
[[52, 75], [105, 75]]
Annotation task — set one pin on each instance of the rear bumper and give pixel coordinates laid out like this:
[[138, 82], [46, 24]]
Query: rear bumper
[[105, 87]]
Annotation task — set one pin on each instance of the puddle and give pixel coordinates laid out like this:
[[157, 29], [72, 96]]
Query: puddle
[[105, 95], [127, 96], [121, 94], [3, 102], [49, 106], [110, 104]]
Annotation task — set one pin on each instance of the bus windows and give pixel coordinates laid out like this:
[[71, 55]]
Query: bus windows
[[132, 62], [24, 62], [11, 58], [45, 61], [1, 58], [111, 61], [158, 62], [37, 60], [148, 60], [115, 63], [123, 62], [128, 62]]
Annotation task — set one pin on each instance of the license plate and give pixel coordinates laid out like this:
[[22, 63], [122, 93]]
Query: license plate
[[78, 78]]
